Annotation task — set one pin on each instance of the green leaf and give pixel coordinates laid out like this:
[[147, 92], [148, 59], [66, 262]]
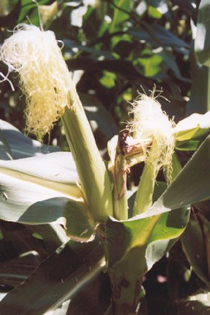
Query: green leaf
[[72, 270], [5, 152], [55, 172], [196, 304], [29, 9], [154, 13], [190, 145], [72, 45], [142, 230], [21, 253], [151, 64], [119, 15], [158, 36], [190, 131], [42, 190], [202, 40], [20, 146], [193, 182], [200, 90], [195, 249], [170, 64], [108, 79], [48, 13], [73, 215]]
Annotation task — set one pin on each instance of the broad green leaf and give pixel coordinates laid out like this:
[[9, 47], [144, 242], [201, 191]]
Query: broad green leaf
[[72, 45], [54, 171], [108, 79], [42, 190], [158, 36], [63, 275], [193, 182], [123, 68], [61, 310], [200, 91], [154, 13], [119, 15], [193, 242], [202, 41], [193, 127], [142, 230], [170, 64], [29, 9], [5, 152], [48, 13], [19, 146], [189, 145], [21, 252], [94, 21], [196, 304], [73, 215], [30, 206], [151, 64]]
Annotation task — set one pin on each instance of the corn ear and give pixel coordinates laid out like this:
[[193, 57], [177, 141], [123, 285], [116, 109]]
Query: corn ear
[[50, 93], [144, 195], [149, 122], [94, 177], [118, 168]]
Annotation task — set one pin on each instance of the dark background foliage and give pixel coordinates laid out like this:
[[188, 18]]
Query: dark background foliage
[[114, 49]]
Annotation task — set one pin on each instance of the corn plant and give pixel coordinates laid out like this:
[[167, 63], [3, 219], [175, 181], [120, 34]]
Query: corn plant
[[88, 196]]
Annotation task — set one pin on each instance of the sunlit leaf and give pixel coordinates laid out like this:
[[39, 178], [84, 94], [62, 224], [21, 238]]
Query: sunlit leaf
[[196, 304], [199, 96], [192, 127], [151, 65], [119, 15], [202, 42], [48, 13], [5, 152], [20, 146], [55, 171], [30, 9], [108, 79], [154, 13]]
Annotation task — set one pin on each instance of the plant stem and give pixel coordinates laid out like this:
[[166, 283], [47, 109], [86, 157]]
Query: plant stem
[[144, 194], [120, 189], [94, 178]]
